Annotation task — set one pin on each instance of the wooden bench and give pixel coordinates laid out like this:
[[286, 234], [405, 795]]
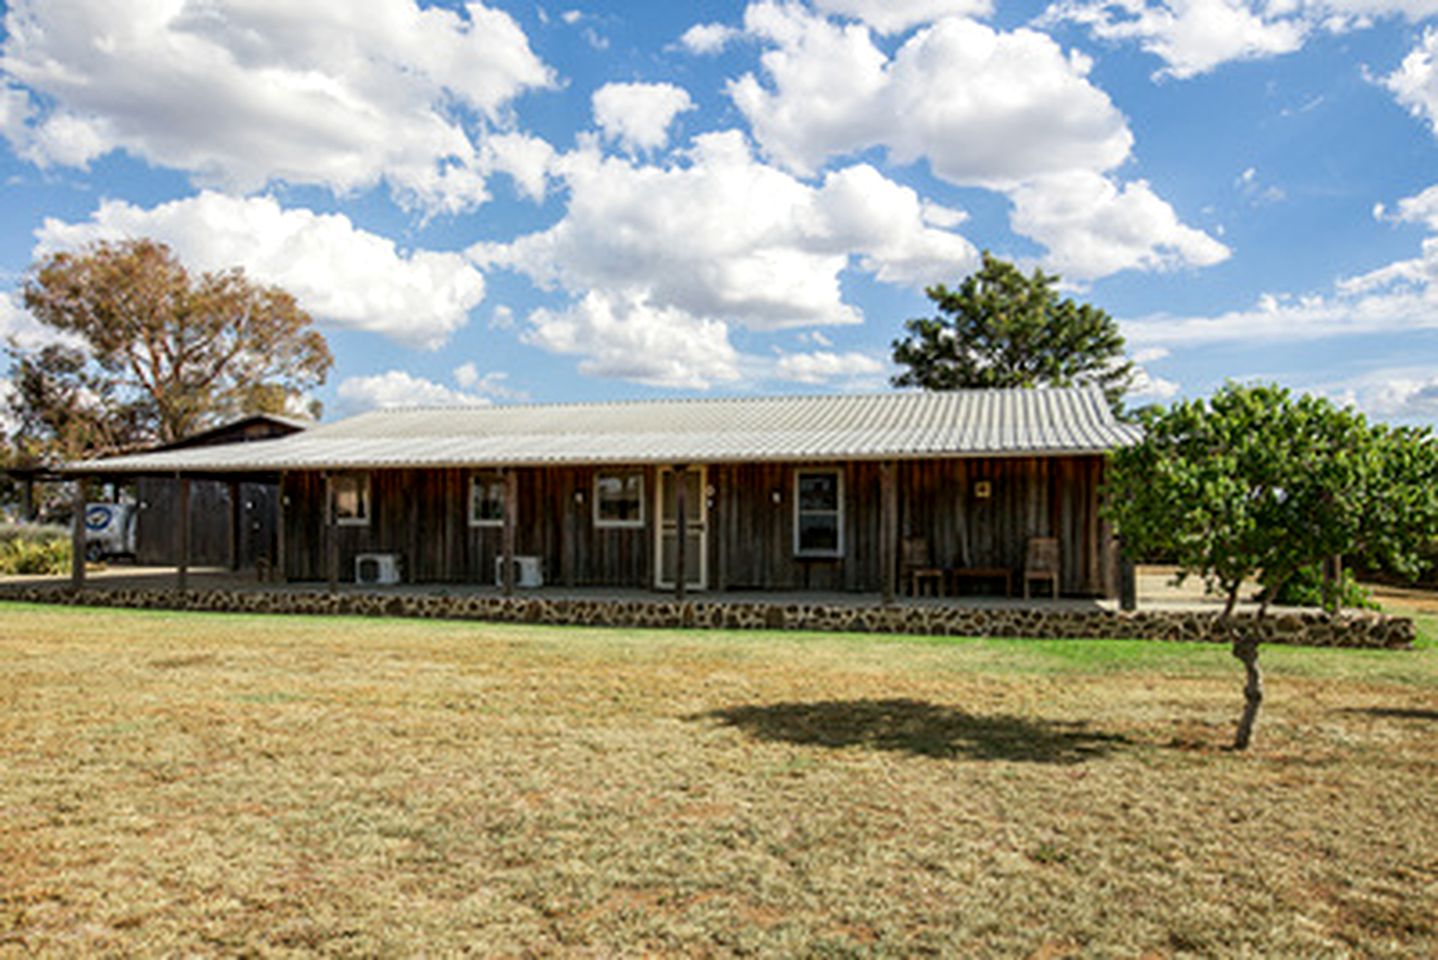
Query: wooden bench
[[958, 575]]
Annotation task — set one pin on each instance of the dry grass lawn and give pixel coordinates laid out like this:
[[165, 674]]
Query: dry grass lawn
[[184, 784]]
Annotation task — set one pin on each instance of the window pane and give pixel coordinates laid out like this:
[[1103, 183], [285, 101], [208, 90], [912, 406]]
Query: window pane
[[818, 533], [350, 497], [487, 498], [620, 496], [692, 493], [819, 491]]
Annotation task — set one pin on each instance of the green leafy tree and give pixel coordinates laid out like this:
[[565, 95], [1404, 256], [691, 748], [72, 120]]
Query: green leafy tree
[[1257, 484], [147, 353], [1001, 328]]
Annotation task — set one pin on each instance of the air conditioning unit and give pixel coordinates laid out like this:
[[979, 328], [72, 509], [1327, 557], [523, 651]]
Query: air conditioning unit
[[379, 569], [526, 572]]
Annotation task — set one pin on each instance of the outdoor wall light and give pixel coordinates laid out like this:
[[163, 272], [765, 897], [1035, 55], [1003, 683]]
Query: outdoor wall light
[[777, 495], [579, 496], [983, 489]]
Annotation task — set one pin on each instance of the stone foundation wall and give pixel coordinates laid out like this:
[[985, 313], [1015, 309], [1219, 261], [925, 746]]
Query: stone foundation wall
[[1312, 628]]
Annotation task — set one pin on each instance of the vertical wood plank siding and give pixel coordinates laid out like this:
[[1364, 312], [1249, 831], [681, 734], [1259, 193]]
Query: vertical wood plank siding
[[209, 522], [423, 515]]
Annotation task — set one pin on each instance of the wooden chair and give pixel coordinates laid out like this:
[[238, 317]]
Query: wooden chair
[[917, 569], [1042, 563]]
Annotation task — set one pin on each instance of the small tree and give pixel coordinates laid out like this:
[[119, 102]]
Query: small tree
[[1255, 484], [147, 353], [1001, 328]]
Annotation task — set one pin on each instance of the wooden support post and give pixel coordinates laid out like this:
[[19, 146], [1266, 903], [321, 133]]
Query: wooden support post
[[182, 534], [888, 528], [237, 512], [511, 519], [681, 528], [332, 540], [1127, 581], [278, 569], [77, 536]]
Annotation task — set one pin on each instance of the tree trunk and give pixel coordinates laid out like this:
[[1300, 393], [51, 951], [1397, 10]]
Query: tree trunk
[[1245, 650], [1231, 601]]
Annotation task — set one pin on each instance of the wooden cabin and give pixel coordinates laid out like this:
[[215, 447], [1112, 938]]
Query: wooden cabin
[[829, 493]]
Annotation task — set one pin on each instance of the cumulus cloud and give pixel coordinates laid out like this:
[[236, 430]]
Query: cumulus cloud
[[1415, 83], [342, 275], [525, 159], [1400, 393], [396, 388], [900, 16], [826, 366], [327, 92], [707, 39], [1093, 227], [984, 107], [631, 338], [713, 239], [1009, 111], [637, 115], [1190, 36], [19, 328], [1193, 37], [492, 384]]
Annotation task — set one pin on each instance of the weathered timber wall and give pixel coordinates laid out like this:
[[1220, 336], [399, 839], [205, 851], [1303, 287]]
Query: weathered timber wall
[[158, 498], [424, 517]]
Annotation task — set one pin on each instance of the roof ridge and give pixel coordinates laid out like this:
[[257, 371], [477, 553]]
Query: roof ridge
[[697, 401]]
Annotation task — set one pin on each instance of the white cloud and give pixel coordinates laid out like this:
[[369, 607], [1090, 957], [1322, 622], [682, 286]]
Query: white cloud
[[637, 115], [1009, 111], [524, 158], [707, 39], [1093, 227], [825, 366], [492, 384], [1190, 36], [326, 92], [1415, 83], [721, 235], [19, 327], [339, 273], [711, 240], [630, 338], [900, 16], [396, 388], [984, 107]]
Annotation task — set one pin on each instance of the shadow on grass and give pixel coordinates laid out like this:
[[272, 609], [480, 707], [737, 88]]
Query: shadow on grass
[[919, 728], [1399, 713]]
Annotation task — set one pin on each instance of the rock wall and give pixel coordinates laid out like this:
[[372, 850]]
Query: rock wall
[[1311, 628]]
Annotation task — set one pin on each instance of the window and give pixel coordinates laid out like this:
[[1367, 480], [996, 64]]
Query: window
[[619, 498], [486, 499], [818, 513], [351, 499]]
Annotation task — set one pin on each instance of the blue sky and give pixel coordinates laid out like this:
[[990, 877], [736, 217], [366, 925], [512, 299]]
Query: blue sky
[[491, 202]]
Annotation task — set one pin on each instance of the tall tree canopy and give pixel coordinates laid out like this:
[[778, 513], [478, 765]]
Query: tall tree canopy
[[1257, 484], [145, 352], [1001, 328]]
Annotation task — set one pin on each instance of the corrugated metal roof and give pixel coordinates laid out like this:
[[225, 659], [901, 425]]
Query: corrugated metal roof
[[862, 427]]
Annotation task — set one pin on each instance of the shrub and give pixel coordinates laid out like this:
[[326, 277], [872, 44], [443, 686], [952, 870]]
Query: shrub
[[32, 548], [1305, 589]]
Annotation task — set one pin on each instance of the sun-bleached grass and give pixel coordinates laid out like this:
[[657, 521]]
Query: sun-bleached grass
[[186, 784]]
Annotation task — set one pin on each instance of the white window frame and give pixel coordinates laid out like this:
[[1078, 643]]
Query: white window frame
[[838, 550], [475, 521], [365, 491], [601, 523]]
